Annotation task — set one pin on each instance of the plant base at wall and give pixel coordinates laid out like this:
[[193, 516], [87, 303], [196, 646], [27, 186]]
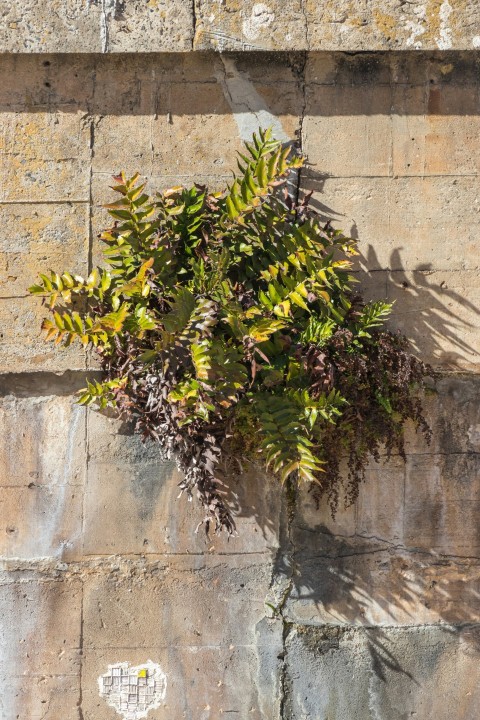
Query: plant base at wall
[[230, 323]]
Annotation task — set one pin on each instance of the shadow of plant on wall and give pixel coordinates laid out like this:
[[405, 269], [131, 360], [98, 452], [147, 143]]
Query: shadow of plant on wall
[[408, 554], [434, 303], [440, 318]]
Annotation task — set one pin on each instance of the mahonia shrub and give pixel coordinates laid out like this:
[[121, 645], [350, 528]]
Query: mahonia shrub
[[229, 323]]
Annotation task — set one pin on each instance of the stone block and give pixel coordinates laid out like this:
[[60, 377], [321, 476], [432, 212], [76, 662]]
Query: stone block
[[123, 143], [442, 500], [123, 112], [148, 517], [249, 26], [347, 131], [209, 121], [362, 582], [46, 157], [194, 132], [155, 26], [405, 71], [40, 237], [202, 681], [40, 632], [40, 81], [384, 25], [379, 511], [434, 130], [351, 70], [43, 442], [22, 342], [61, 26], [408, 549], [438, 312], [190, 600], [40, 521], [42, 474], [45, 608], [39, 696], [404, 223], [341, 673], [452, 408], [394, 562]]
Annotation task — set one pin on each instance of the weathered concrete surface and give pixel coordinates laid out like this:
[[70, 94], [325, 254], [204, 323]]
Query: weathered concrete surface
[[391, 145], [372, 615], [40, 658], [146, 490], [336, 26], [382, 673], [98, 26], [261, 625], [115, 26]]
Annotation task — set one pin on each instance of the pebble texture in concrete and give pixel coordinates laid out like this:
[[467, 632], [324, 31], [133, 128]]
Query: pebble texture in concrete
[[372, 615], [134, 26]]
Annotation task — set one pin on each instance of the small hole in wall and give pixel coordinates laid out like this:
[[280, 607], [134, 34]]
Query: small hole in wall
[[47, 84], [404, 284], [46, 63]]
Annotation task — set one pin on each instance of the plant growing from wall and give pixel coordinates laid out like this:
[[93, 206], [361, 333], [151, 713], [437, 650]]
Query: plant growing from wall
[[229, 323]]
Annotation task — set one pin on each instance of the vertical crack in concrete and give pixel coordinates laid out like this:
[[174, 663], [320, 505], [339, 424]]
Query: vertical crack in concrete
[[90, 198], [306, 24], [194, 23], [299, 70], [281, 586], [80, 650]]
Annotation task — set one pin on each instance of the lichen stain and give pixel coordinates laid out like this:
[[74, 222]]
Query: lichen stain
[[34, 226], [387, 24], [437, 26], [444, 41], [416, 28]]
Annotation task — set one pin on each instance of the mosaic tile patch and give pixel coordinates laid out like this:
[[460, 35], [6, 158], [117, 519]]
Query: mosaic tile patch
[[133, 691]]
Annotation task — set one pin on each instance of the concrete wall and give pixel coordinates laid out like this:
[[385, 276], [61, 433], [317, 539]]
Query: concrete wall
[[372, 616]]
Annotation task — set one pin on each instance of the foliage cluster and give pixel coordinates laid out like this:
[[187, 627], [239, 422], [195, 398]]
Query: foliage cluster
[[228, 322]]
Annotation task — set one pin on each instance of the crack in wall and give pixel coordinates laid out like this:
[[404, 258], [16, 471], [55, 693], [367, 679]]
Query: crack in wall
[[80, 650], [281, 587], [194, 23]]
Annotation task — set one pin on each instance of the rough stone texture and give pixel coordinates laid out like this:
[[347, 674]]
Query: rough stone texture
[[40, 235], [375, 614], [346, 26], [98, 26], [114, 26]]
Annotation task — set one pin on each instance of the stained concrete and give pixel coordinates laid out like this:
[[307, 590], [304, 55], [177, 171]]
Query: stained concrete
[[374, 614], [116, 26]]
